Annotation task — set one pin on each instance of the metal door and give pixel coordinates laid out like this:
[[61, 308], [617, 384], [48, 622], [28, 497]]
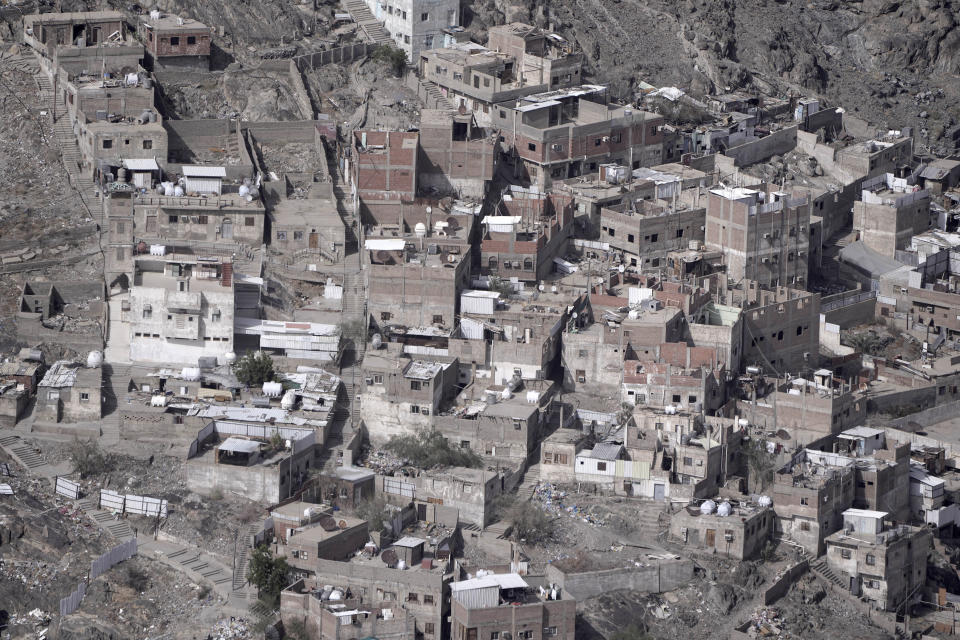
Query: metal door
[[710, 538], [314, 241], [227, 229], [658, 491]]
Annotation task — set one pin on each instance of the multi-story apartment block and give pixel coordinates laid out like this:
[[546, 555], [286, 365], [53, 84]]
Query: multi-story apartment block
[[764, 234], [416, 25], [646, 231], [570, 132], [782, 327], [497, 604]]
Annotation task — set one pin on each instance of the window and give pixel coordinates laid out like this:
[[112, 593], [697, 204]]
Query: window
[[248, 221], [428, 628], [415, 385], [494, 635], [147, 311], [531, 146], [191, 39], [691, 399], [871, 559], [173, 219], [503, 114], [601, 466], [486, 82], [385, 315], [427, 598], [654, 237], [406, 39], [611, 232], [549, 631], [630, 237], [175, 41], [148, 144], [414, 409], [84, 397], [799, 330], [597, 142], [413, 597], [804, 526], [298, 235], [378, 379], [120, 254], [424, 17], [688, 461], [281, 235], [108, 144], [845, 554], [676, 397], [437, 319]]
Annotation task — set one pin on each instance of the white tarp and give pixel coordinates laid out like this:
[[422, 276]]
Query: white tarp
[[384, 244]]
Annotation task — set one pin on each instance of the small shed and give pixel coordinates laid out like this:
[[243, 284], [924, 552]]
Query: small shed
[[143, 171], [204, 178], [409, 549]]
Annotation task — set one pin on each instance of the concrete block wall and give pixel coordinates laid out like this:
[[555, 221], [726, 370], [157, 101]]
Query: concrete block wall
[[777, 143], [655, 578]]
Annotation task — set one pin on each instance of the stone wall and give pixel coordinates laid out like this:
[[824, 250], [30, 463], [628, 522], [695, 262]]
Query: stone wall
[[654, 578], [777, 143]]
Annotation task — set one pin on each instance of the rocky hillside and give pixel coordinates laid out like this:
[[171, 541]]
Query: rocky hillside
[[885, 61]]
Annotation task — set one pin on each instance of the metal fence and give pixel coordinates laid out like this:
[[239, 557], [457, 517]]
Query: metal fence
[[70, 604], [118, 554], [111, 500], [67, 488], [138, 505]]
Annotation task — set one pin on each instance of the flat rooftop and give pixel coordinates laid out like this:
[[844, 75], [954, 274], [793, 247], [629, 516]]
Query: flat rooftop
[[171, 23], [154, 280]]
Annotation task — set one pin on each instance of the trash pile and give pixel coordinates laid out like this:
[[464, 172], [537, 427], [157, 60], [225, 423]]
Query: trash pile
[[554, 500], [232, 629], [765, 623]]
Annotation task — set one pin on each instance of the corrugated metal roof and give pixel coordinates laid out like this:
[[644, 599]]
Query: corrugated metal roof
[[239, 445], [409, 542], [141, 164], [606, 451], [203, 171], [62, 374]]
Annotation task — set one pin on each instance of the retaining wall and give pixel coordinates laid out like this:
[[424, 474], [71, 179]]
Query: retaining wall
[[782, 585], [654, 578], [777, 143]]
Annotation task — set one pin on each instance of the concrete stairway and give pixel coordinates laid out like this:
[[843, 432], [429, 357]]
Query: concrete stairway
[[70, 151], [530, 479], [436, 95], [26, 456], [242, 563], [119, 529], [198, 565], [369, 25], [821, 569]]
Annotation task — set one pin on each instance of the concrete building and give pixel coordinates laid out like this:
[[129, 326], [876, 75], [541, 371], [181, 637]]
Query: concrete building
[[874, 157], [174, 42], [416, 25], [521, 60], [570, 132], [50, 31], [420, 588], [384, 167], [527, 236], [501, 603], [345, 487], [719, 327], [309, 603], [457, 157], [781, 327], [647, 230], [559, 454], [676, 375], [329, 539], [940, 176], [448, 496], [763, 233], [242, 457], [885, 565], [181, 308], [737, 531], [307, 229], [69, 392], [890, 211]]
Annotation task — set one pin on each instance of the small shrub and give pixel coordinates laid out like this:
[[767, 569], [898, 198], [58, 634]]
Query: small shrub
[[88, 458], [375, 511], [530, 523], [429, 448], [392, 56]]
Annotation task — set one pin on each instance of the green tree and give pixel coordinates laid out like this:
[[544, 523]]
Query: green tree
[[88, 458], [392, 56], [253, 369], [269, 574], [429, 448]]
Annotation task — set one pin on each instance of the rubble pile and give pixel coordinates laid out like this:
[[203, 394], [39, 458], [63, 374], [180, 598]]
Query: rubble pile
[[554, 500]]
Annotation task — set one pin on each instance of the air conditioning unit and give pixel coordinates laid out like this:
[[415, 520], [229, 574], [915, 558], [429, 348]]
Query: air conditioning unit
[[556, 147], [728, 537]]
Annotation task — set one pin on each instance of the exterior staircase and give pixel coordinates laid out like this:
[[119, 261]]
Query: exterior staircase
[[369, 25], [822, 570], [242, 563], [105, 520], [436, 96]]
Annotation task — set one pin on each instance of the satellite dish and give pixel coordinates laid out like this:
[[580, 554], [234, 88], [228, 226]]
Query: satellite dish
[[328, 523], [575, 315], [342, 524], [389, 558]]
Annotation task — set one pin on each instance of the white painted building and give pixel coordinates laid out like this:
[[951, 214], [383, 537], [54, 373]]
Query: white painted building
[[416, 25], [181, 308]]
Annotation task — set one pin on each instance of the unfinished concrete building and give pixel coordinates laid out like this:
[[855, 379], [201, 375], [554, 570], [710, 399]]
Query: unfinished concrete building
[[527, 237], [175, 43], [457, 157], [781, 327], [763, 233], [448, 496], [70, 392], [891, 210], [885, 565], [566, 133], [384, 168], [47, 32]]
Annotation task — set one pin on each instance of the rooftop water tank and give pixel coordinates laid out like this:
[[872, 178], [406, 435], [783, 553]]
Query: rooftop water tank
[[272, 389], [289, 400], [94, 359], [724, 509], [708, 507], [765, 501], [230, 358], [420, 230]]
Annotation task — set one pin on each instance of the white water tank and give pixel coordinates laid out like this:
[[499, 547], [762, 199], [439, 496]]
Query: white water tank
[[401, 565], [289, 400], [708, 507], [376, 341], [765, 501], [336, 595], [243, 190], [670, 409], [724, 509], [230, 358], [420, 230], [272, 389], [94, 359], [178, 191], [190, 374]]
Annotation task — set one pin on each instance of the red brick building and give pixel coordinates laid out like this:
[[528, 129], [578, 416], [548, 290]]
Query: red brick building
[[175, 42], [384, 169]]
